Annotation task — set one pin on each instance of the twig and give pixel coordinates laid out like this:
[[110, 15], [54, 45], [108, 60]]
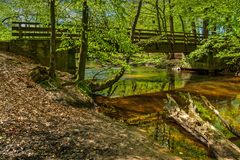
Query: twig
[[100, 72]]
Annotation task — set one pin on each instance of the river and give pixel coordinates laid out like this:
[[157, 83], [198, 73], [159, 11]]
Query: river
[[138, 99]]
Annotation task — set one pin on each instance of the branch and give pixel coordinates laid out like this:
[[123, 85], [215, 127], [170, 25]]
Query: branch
[[109, 83], [231, 128], [100, 72]]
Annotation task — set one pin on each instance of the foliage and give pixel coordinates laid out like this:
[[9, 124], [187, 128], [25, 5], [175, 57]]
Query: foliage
[[204, 112], [148, 59], [5, 33], [224, 48], [110, 47]]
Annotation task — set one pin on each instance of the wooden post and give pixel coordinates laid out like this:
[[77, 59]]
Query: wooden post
[[20, 30]]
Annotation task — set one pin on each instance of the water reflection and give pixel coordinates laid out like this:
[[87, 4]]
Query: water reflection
[[141, 80], [138, 99]]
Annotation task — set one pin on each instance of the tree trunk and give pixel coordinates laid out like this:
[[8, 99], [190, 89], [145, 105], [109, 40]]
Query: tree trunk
[[53, 55], [182, 23], [205, 28], [194, 31], [228, 26], [220, 146], [171, 23], [136, 20], [84, 43], [170, 42], [158, 17], [109, 83], [183, 29]]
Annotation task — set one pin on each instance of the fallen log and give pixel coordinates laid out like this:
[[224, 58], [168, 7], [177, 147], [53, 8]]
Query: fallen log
[[216, 142], [230, 127]]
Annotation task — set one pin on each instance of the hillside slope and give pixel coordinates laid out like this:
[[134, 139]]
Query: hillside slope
[[34, 125]]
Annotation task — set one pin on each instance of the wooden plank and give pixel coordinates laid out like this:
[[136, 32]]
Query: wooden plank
[[42, 35], [34, 29], [30, 23], [38, 29]]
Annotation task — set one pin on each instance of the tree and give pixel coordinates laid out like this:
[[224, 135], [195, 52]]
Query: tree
[[136, 19], [158, 17], [84, 43], [53, 55]]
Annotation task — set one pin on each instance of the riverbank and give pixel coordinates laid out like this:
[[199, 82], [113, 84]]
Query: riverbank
[[39, 124]]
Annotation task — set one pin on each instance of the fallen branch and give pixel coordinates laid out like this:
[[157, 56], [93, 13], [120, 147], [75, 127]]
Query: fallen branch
[[217, 143], [94, 77], [231, 128], [109, 83]]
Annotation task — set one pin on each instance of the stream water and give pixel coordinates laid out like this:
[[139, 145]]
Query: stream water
[[139, 97]]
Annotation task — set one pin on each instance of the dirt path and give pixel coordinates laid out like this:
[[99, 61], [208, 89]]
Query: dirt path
[[34, 125]]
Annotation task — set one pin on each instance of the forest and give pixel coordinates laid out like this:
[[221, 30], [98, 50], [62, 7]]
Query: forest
[[119, 79]]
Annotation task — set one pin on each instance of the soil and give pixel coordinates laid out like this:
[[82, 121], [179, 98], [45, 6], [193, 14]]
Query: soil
[[40, 124]]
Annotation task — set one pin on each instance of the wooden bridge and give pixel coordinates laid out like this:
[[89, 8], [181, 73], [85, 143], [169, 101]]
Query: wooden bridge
[[150, 40]]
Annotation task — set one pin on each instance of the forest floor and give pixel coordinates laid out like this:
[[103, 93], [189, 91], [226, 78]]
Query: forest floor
[[39, 124]]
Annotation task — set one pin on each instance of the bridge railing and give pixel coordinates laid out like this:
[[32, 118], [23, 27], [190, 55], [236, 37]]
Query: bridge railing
[[27, 30], [176, 37]]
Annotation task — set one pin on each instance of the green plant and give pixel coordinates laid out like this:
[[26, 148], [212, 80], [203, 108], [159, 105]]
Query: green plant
[[225, 49]]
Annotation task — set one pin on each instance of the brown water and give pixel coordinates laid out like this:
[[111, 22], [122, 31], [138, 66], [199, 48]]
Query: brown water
[[138, 99]]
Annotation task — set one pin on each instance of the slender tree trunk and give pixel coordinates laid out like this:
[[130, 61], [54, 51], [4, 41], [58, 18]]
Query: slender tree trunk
[[205, 28], [164, 22], [194, 31], [182, 23], [84, 43], [163, 17], [183, 29], [228, 26], [158, 17], [171, 24], [210, 58], [136, 19], [53, 54], [164, 14], [171, 54]]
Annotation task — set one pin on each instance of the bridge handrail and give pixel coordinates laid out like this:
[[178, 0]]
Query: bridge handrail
[[38, 30], [34, 30]]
